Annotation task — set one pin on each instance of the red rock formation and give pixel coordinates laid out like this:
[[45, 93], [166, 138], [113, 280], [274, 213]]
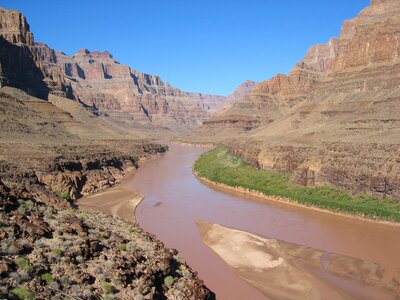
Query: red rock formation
[[335, 118], [22, 61], [99, 81], [14, 28], [96, 79]]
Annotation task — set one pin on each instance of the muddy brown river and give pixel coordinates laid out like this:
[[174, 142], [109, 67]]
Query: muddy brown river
[[175, 199]]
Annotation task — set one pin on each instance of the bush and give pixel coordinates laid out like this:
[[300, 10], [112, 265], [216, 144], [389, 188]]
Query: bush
[[56, 251], [23, 294], [64, 195], [122, 247], [23, 264], [169, 280], [108, 288], [25, 203], [47, 277]]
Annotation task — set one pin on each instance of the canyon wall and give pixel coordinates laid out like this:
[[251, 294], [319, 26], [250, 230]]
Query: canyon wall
[[334, 119], [95, 79]]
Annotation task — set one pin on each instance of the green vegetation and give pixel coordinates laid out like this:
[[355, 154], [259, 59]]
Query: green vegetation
[[23, 264], [219, 166], [108, 288], [169, 280], [25, 203], [64, 195], [47, 277], [23, 294], [57, 251], [122, 247]]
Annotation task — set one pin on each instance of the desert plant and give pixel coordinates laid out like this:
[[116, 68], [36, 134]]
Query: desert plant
[[169, 280], [64, 195], [56, 251], [47, 277], [23, 294], [122, 247], [23, 264], [108, 288]]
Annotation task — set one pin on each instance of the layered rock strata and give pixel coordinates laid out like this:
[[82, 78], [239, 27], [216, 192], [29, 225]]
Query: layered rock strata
[[97, 80], [334, 118]]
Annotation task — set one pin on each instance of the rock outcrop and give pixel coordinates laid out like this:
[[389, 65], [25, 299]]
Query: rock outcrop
[[21, 63], [14, 28], [241, 91]]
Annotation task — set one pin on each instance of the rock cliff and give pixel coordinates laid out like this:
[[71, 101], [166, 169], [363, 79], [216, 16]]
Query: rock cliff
[[97, 80], [334, 119]]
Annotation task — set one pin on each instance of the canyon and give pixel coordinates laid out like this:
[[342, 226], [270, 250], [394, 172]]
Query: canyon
[[81, 135]]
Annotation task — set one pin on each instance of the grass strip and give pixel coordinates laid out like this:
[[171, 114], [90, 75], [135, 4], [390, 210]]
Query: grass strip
[[219, 166]]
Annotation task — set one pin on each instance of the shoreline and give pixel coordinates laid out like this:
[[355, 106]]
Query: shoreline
[[127, 202], [125, 198], [287, 201]]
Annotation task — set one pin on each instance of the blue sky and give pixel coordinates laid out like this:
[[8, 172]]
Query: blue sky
[[207, 46]]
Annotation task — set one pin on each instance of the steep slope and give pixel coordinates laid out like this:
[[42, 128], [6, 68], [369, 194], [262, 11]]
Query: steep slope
[[125, 94], [335, 118]]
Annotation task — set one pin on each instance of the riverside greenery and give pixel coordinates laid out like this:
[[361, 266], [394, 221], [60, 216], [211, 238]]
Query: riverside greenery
[[219, 166]]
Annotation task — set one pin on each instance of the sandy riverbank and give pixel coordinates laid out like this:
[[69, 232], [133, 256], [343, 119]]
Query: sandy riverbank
[[117, 201], [283, 270], [287, 201]]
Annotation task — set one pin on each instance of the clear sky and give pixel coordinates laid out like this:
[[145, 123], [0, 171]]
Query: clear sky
[[207, 46]]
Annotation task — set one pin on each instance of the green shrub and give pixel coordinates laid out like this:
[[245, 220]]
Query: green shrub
[[56, 251], [47, 277], [169, 280], [219, 166], [23, 294], [108, 288], [118, 281], [122, 247], [23, 264], [64, 195]]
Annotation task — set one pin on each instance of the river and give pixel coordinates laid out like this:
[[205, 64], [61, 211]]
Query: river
[[175, 199]]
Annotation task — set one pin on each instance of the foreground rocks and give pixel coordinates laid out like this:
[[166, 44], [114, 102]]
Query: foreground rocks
[[56, 252]]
